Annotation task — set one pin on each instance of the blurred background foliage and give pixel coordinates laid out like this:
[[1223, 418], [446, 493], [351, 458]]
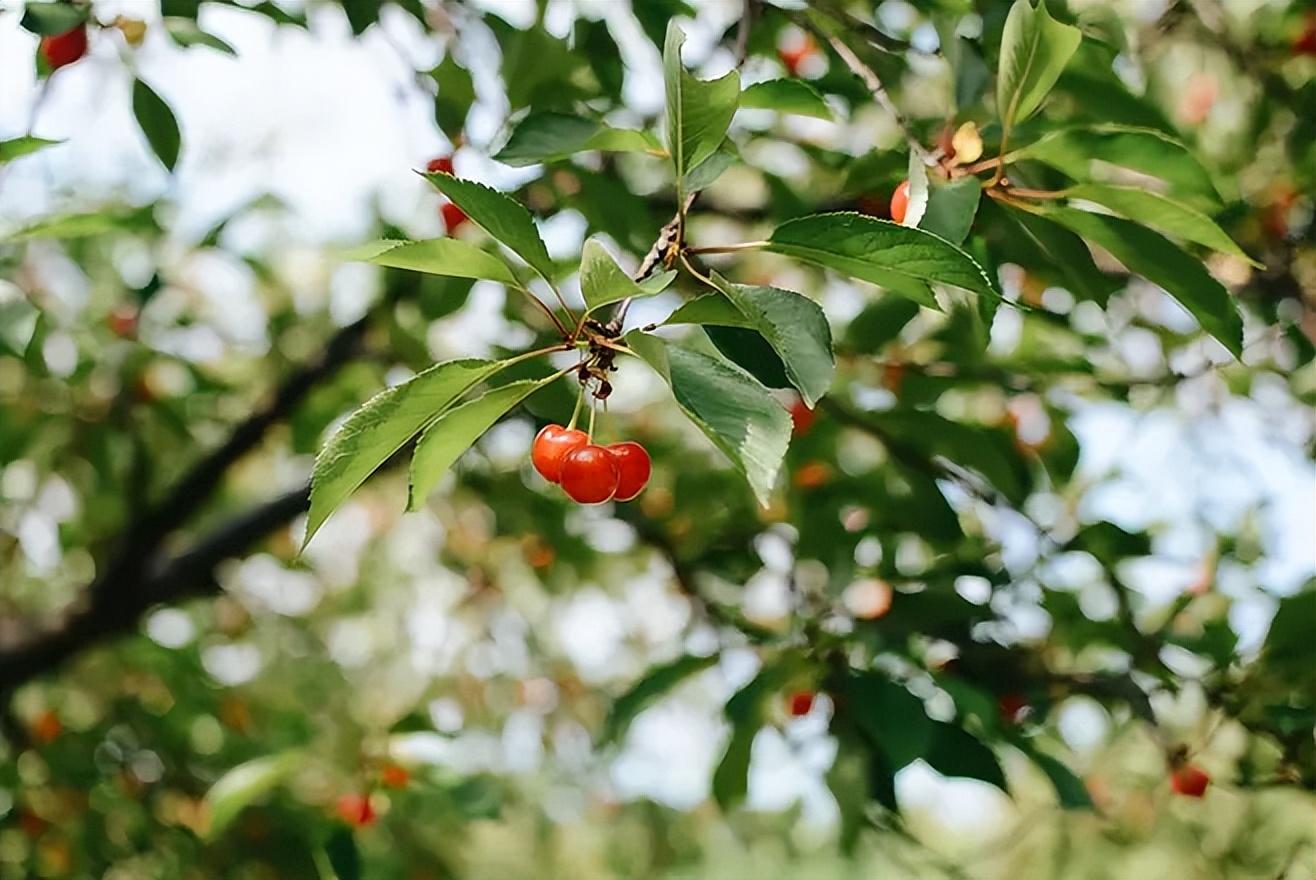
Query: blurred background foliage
[[1028, 561]]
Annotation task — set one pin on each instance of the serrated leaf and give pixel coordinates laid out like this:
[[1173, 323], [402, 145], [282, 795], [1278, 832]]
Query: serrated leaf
[[49, 19], [899, 258], [157, 123], [500, 215], [955, 752], [1097, 153], [793, 325], [698, 111], [602, 281], [787, 96], [382, 425], [655, 684], [1034, 50], [1161, 213], [890, 716], [438, 256], [734, 410], [1163, 263], [548, 137], [952, 207], [706, 172], [18, 147], [451, 434], [244, 785]]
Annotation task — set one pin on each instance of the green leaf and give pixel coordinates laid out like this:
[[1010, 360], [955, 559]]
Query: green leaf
[[602, 281], [456, 93], [900, 258], [955, 752], [793, 325], [1098, 153], [1034, 50], [1290, 637], [879, 323], [501, 216], [1161, 262], [848, 780], [1070, 790], [648, 690], [361, 14], [66, 226], [244, 785], [734, 411], [951, 208], [747, 711], [437, 256], [786, 96], [548, 137], [751, 352], [1039, 240], [157, 123], [340, 849], [698, 111], [890, 716], [15, 148], [706, 172], [452, 433], [1161, 213], [49, 19], [731, 777], [185, 32], [377, 430]]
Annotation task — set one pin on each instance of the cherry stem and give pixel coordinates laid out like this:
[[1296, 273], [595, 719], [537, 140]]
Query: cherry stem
[[1036, 193], [561, 328], [593, 410], [695, 272], [727, 248], [575, 413]]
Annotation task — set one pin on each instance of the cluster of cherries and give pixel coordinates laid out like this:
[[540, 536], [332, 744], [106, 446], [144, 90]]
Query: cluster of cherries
[[587, 472], [453, 216]]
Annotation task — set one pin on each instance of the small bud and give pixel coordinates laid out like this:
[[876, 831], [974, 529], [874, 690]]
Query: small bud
[[967, 143]]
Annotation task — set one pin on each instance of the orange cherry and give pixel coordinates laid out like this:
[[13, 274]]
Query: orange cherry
[[900, 202], [1190, 781], [355, 810]]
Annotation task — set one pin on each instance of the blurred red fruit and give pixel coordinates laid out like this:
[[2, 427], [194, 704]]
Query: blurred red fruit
[[63, 49], [122, 322], [900, 202], [1190, 781], [802, 417], [394, 776], [1011, 707], [355, 810], [439, 164], [453, 217], [800, 703]]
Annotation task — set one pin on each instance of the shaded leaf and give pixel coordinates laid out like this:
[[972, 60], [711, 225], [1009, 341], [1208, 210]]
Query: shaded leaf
[[51, 18], [456, 93], [1070, 790], [786, 96], [890, 716], [244, 785], [451, 434], [955, 752], [734, 411], [185, 32], [698, 112], [343, 856], [547, 137], [1161, 213], [380, 428], [655, 684], [602, 281], [951, 208], [157, 123]]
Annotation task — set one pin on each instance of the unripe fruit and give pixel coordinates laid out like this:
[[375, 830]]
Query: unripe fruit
[[63, 49], [900, 202], [355, 810], [551, 446], [633, 469], [440, 164], [1190, 781], [590, 474], [800, 703], [453, 217]]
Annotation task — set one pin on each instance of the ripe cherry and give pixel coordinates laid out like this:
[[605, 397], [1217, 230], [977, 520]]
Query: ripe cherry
[[1190, 781], [552, 445], [394, 776], [63, 49], [453, 217], [633, 468], [590, 474], [440, 164], [802, 417], [900, 202], [355, 810], [800, 703]]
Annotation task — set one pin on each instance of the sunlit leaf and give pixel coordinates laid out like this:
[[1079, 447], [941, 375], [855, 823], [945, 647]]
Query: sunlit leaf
[[1161, 213], [503, 217], [655, 684], [1034, 50], [15, 148], [786, 96], [244, 785], [438, 256], [698, 111], [548, 137]]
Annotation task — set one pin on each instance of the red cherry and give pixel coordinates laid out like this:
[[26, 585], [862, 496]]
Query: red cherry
[[900, 202], [1190, 781], [453, 217], [590, 474], [800, 703], [633, 467], [355, 810], [551, 445], [394, 776], [440, 164], [1305, 44], [802, 417], [62, 49]]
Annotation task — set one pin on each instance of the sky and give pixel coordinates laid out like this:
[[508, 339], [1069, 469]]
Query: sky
[[331, 126]]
